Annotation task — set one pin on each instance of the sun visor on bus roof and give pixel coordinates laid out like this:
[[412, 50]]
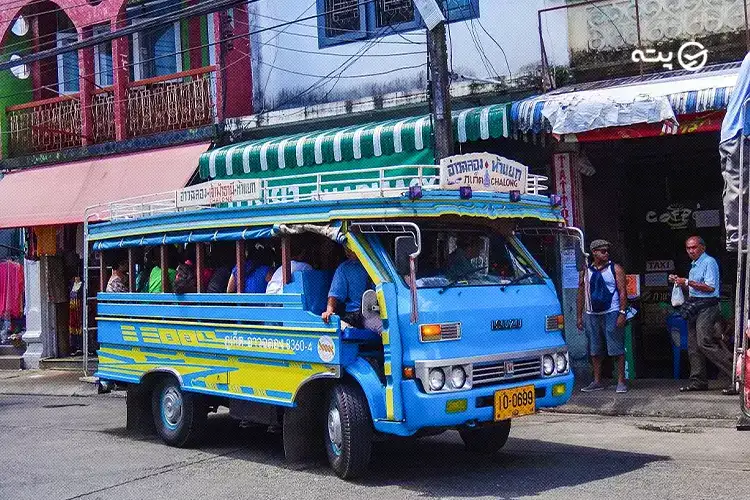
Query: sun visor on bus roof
[[332, 231], [205, 236]]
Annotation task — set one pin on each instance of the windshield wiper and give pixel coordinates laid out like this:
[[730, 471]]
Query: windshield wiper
[[517, 279], [465, 274]]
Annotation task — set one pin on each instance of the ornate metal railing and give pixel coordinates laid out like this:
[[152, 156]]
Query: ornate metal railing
[[103, 116], [173, 102], [601, 35], [47, 125]]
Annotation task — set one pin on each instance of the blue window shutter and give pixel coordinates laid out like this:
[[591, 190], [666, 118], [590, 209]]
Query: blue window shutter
[[70, 71]]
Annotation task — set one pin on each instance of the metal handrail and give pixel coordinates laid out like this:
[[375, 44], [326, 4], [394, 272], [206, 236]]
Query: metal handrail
[[321, 186]]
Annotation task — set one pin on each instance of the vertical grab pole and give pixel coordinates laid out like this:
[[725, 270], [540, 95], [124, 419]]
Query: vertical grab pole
[[131, 271], [286, 259], [199, 256], [164, 258], [239, 252]]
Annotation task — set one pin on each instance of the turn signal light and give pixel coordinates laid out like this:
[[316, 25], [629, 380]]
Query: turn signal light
[[556, 322], [408, 372], [430, 332]]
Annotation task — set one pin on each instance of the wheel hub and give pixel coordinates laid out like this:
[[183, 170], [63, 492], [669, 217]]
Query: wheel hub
[[334, 428], [172, 406]]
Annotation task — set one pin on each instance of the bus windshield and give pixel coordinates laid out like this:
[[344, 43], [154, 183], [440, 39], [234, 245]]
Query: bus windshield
[[471, 258]]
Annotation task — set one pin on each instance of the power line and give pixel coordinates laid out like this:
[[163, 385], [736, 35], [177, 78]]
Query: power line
[[338, 54], [300, 73]]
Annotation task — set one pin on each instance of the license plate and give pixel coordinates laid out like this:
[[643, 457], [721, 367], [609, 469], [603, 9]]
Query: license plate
[[516, 402]]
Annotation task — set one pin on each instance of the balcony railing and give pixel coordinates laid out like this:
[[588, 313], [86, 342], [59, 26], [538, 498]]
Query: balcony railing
[[47, 125], [173, 102], [602, 34]]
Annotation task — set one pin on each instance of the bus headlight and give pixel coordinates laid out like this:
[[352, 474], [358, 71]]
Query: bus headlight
[[561, 362], [437, 379], [548, 365], [458, 377]]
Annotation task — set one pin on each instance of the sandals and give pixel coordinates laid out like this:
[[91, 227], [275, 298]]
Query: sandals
[[693, 388]]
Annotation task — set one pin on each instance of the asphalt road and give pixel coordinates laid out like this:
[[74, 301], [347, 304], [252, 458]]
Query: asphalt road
[[70, 448]]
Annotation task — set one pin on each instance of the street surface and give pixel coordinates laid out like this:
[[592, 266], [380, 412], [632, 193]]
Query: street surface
[[77, 447]]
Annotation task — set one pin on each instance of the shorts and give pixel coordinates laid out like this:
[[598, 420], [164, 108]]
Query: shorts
[[602, 329]]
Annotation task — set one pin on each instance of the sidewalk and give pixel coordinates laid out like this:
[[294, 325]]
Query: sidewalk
[[45, 383], [655, 398], [646, 397]]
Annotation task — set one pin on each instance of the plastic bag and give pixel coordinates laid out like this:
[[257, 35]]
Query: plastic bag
[[678, 298]]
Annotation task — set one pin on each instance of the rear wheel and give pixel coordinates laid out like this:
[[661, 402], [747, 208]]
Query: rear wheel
[[180, 417], [348, 431], [488, 439]]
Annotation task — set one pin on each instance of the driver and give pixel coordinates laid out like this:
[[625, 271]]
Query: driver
[[468, 247]]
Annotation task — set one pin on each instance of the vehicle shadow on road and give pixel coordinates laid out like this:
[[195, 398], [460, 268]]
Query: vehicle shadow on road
[[524, 467]]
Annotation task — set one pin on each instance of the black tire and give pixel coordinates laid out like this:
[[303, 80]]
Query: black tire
[[486, 440], [180, 417], [349, 450]]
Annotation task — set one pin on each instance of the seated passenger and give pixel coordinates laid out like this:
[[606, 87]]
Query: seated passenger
[[257, 272], [276, 283], [345, 295], [221, 259], [154, 280], [118, 282]]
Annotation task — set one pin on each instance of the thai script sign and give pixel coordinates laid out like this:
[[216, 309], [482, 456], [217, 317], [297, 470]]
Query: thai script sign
[[483, 172], [564, 185], [212, 193]]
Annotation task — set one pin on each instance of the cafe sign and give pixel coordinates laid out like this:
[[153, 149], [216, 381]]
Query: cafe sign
[[483, 172], [217, 192]]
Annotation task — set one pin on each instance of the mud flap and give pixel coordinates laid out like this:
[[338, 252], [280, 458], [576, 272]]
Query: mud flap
[[303, 428], [139, 418]]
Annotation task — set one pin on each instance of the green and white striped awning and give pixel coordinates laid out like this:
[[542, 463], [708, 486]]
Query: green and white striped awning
[[397, 142]]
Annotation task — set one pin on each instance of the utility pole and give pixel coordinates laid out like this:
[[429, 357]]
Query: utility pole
[[440, 98]]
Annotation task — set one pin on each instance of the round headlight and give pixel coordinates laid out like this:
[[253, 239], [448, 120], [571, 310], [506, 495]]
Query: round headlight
[[437, 379], [548, 364], [458, 377], [561, 361]]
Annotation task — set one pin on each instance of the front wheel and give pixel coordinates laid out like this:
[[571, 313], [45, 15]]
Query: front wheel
[[488, 439], [348, 431], [180, 417]]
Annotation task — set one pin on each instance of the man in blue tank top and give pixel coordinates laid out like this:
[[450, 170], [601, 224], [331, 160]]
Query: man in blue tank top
[[604, 326]]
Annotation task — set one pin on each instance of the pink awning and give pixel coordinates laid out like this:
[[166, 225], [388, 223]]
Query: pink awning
[[59, 194]]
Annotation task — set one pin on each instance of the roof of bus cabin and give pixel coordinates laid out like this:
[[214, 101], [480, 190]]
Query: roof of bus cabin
[[434, 203]]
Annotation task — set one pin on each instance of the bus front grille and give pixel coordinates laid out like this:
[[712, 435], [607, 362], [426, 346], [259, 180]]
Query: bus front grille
[[493, 373]]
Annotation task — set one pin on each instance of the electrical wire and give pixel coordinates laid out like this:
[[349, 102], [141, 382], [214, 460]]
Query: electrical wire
[[364, 75]]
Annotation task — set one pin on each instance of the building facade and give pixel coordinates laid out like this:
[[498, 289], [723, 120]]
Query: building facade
[[124, 117]]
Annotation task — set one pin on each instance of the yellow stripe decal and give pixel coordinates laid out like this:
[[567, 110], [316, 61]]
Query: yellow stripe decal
[[387, 368], [389, 403], [222, 325]]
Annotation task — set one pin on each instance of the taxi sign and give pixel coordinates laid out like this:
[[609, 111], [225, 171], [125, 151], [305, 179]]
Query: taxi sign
[[212, 193], [483, 172]]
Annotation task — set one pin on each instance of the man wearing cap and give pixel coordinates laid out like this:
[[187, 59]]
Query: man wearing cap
[[602, 317]]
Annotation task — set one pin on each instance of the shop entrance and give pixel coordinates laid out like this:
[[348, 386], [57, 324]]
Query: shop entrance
[[646, 197]]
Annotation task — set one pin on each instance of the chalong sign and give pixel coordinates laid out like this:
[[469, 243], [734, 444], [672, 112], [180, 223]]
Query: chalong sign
[[483, 172]]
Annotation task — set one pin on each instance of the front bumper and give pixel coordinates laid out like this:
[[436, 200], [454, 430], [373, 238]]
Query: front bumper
[[423, 410]]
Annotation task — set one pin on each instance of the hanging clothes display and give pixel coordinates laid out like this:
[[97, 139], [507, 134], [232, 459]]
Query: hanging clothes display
[[75, 317], [11, 290], [46, 240]]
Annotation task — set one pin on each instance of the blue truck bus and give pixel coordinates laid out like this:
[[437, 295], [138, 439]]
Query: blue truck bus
[[461, 327]]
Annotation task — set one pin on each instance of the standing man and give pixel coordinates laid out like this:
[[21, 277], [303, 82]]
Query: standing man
[[602, 293], [729, 153], [701, 310]]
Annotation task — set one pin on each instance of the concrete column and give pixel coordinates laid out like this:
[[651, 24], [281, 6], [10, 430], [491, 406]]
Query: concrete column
[[86, 80], [121, 79], [220, 62]]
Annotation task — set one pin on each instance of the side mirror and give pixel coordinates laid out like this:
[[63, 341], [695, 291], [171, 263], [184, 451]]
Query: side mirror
[[405, 246]]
